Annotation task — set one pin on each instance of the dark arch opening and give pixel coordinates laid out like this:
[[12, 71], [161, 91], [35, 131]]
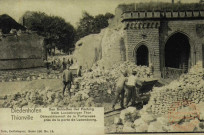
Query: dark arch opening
[[142, 56], [177, 51]]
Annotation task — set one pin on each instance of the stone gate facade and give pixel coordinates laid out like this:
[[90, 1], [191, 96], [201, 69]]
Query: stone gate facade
[[169, 41]]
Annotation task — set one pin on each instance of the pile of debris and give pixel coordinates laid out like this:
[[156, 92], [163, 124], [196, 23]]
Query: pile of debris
[[188, 88], [142, 71], [91, 90], [133, 120], [177, 107], [28, 75], [33, 98], [45, 98], [100, 83]]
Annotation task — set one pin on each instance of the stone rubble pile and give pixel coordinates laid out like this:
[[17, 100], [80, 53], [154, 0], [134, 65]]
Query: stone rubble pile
[[91, 90], [183, 120], [100, 84], [28, 75], [177, 107], [46, 98], [189, 87], [142, 71], [32, 98]]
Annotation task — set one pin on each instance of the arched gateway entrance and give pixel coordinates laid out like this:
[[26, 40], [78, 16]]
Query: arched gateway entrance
[[177, 54], [142, 56]]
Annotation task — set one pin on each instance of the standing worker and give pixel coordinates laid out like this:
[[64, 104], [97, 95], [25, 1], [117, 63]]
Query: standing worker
[[71, 62], [120, 91], [64, 64], [67, 80], [131, 89], [68, 62], [79, 71]]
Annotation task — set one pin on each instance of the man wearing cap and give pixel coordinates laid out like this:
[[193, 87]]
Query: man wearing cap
[[120, 90], [67, 80], [131, 89]]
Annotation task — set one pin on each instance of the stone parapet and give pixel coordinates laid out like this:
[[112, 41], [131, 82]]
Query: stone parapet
[[188, 14]]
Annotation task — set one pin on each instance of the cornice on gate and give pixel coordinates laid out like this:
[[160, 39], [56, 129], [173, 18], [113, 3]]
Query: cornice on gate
[[142, 24], [142, 15]]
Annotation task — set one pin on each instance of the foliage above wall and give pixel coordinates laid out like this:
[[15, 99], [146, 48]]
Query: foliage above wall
[[89, 24], [56, 31]]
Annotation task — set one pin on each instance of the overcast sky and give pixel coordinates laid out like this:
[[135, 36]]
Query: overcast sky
[[70, 10]]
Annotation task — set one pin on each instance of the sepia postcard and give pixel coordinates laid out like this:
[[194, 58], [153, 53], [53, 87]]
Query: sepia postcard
[[87, 67]]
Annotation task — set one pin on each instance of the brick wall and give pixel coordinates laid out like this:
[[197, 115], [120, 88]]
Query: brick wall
[[156, 38], [134, 39]]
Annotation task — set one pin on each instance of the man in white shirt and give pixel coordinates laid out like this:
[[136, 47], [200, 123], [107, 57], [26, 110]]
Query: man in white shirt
[[131, 89]]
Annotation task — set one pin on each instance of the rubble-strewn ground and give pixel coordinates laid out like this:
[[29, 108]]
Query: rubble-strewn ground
[[176, 107], [172, 108], [27, 74], [95, 88]]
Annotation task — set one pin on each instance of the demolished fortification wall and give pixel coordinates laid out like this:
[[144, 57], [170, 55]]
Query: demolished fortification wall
[[88, 50], [106, 48]]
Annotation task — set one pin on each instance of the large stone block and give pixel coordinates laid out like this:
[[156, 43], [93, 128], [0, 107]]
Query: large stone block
[[129, 114]]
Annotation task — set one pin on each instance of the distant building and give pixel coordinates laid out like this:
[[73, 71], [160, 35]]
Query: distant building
[[21, 50]]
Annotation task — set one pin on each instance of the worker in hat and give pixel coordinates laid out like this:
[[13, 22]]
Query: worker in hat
[[67, 79], [131, 89], [120, 90]]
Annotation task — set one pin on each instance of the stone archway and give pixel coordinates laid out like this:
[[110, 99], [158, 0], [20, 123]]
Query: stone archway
[[177, 53], [142, 56]]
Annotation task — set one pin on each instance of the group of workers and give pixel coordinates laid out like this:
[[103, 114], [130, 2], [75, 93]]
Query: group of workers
[[56, 64], [126, 85], [129, 86], [66, 63]]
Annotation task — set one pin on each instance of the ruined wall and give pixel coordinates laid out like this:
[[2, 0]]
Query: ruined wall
[[106, 48], [88, 50], [22, 51], [113, 47]]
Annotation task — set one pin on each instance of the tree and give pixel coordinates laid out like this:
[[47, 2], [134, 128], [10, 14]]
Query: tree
[[86, 25], [89, 24], [100, 22], [54, 29]]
